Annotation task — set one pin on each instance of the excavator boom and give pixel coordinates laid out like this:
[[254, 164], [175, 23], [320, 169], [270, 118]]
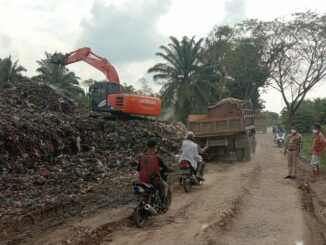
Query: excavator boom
[[86, 55]]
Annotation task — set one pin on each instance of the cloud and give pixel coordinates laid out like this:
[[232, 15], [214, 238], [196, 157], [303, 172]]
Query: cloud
[[5, 41], [126, 33], [235, 11]]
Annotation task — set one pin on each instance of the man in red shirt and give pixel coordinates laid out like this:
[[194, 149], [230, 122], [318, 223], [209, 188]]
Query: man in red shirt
[[150, 168], [318, 147]]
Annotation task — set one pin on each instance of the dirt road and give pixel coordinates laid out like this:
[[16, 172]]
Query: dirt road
[[240, 203]]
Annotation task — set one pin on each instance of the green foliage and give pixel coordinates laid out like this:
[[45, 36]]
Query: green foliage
[[10, 72], [183, 88], [246, 71], [128, 89], [84, 100], [310, 112], [217, 45], [63, 80]]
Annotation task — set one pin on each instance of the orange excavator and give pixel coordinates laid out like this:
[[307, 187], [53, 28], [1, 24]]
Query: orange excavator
[[106, 95]]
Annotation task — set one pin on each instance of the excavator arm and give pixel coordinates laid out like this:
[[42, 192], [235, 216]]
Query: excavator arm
[[86, 55]]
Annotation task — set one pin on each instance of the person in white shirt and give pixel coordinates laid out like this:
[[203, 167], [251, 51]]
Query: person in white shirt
[[190, 152]]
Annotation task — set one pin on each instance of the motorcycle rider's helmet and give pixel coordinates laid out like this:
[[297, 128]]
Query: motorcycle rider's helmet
[[190, 135]]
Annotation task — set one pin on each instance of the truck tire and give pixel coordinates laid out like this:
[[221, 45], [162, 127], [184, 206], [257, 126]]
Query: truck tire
[[253, 143], [220, 151], [247, 152], [239, 153], [210, 155]]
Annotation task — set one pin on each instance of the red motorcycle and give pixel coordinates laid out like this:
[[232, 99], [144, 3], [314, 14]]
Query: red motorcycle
[[188, 176]]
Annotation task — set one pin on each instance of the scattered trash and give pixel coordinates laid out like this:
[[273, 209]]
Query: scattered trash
[[204, 227], [51, 156]]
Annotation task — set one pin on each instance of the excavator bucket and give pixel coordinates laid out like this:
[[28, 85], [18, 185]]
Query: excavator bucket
[[58, 58]]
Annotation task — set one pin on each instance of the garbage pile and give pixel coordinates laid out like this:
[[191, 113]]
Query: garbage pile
[[50, 155]]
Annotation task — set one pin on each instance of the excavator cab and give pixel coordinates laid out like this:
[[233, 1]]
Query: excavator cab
[[99, 95], [106, 96]]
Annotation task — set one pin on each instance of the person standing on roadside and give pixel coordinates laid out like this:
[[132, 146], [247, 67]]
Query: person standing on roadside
[[293, 147], [318, 147]]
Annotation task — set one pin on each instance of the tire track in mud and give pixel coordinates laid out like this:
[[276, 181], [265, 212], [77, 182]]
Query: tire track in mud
[[273, 214], [237, 204]]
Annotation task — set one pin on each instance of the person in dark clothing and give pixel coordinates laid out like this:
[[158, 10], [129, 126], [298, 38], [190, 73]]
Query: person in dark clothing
[[151, 167]]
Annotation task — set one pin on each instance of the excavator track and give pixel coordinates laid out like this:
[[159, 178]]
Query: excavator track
[[118, 116]]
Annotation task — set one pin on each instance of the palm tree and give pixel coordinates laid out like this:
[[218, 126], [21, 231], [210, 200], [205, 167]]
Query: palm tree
[[182, 87], [59, 77], [10, 72]]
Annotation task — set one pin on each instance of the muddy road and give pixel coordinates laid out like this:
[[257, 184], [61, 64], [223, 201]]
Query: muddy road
[[239, 203]]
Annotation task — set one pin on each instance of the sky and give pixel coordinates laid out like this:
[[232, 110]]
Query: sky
[[128, 32]]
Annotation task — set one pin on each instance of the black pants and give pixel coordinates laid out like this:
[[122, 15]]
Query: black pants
[[200, 168]]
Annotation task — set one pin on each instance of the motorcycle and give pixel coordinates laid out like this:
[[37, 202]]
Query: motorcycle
[[188, 176], [280, 139], [149, 202]]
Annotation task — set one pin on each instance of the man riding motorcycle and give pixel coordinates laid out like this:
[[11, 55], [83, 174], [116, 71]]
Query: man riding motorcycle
[[151, 168], [190, 152]]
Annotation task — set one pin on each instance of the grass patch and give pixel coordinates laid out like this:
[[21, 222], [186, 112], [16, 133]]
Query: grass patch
[[307, 148]]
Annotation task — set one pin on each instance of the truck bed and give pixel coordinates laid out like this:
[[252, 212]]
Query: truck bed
[[225, 126]]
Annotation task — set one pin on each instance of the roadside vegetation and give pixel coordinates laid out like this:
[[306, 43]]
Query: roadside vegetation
[[310, 112]]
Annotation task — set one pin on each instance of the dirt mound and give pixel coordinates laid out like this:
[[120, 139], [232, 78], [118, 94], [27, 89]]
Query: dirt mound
[[57, 160], [35, 96]]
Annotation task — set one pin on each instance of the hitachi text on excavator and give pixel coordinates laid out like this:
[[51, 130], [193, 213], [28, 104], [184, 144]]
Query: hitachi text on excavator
[[107, 95]]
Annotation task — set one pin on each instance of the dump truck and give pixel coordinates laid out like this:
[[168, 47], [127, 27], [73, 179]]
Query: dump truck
[[261, 123], [227, 128]]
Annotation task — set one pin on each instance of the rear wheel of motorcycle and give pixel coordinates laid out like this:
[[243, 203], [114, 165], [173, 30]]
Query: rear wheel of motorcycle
[[140, 216], [186, 182]]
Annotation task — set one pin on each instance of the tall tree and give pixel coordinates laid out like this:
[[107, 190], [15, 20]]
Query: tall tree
[[246, 71], [217, 45], [295, 50], [233, 63], [182, 88], [10, 72], [58, 76]]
